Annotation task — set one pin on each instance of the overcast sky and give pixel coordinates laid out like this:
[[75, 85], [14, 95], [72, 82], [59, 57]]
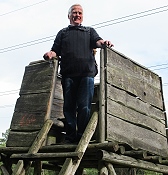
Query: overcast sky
[[144, 38]]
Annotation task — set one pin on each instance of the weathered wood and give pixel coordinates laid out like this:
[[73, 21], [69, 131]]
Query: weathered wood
[[35, 146], [101, 124], [19, 139], [131, 162], [132, 116], [110, 146], [47, 156], [130, 101], [27, 121], [134, 78], [102, 168], [54, 79], [37, 167], [4, 170], [37, 78], [70, 167], [135, 136], [110, 168]]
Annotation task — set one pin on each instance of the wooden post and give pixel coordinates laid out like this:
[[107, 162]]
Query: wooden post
[[4, 170], [19, 169], [110, 168], [102, 168], [37, 167], [52, 89], [70, 167], [101, 129]]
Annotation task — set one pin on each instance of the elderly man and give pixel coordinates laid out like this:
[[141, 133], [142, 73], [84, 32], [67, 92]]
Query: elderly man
[[75, 44]]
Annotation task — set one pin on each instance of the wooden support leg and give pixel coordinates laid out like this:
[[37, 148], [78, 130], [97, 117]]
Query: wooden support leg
[[110, 168], [4, 170], [37, 167], [102, 168]]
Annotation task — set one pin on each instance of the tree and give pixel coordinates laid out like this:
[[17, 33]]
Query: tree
[[4, 138]]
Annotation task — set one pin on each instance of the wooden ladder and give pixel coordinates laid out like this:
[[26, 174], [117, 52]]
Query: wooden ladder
[[73, 159]]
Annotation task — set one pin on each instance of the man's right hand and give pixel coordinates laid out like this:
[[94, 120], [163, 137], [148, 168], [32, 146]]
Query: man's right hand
[[49, 55]]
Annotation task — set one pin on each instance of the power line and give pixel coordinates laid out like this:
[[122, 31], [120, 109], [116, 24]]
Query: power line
[[22, 8], [131, 15], [45, 39]]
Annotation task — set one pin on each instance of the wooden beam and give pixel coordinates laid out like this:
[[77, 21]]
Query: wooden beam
[[131, 162], [101, 124], [4, 170], [47, 156]]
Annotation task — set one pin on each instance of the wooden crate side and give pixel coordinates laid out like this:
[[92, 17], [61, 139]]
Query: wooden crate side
[[21, 139], [32, 102], [134, 85], [127, 75], [131, 116], [122, 97], [127, 65], [135, 136], [27, 121], [37, 78]]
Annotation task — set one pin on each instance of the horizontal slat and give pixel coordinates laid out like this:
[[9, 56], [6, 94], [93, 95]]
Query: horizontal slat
[[129, 66], [32, 102], [134, 85], [27, 121], [134, 103], [132, 116], [135, 136], [21, 139]]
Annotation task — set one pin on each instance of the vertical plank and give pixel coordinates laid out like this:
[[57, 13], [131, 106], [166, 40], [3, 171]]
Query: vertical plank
[[101, 125], [52, 90]]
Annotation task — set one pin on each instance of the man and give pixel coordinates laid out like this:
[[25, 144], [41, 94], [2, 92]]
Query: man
[[75, 44]]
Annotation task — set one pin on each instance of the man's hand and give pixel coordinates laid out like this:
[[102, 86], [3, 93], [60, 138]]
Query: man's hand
[[102, 43], [49, 55]]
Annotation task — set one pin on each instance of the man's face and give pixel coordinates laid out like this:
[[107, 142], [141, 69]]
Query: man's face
[[76, 15]]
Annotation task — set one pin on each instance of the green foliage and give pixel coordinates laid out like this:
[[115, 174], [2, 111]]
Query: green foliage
[[4, 138], [151, 173]]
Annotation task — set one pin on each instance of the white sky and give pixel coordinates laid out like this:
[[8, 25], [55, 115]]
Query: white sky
[[143, 39]]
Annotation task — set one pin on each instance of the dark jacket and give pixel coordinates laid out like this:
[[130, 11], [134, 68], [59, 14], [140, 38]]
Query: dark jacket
[[75, 45]]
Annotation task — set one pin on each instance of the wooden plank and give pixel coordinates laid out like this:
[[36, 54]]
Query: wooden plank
[[37, 78], [131, 162], [116, 59], [58, 90], [21, 139], [57, 109], [135, 136], [134, 117], [101, 124], [134, 103], [134, 85], [27, 121], [33, 102]]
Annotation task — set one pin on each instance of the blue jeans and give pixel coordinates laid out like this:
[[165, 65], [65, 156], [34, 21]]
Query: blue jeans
[[78, 93]]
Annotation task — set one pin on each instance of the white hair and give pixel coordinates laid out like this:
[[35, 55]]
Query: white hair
[[70, 9]]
